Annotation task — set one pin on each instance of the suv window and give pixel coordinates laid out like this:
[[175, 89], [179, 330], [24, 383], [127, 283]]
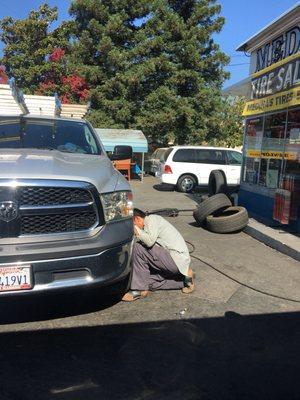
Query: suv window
[[217, 157], [184, 155], [167, 153], [159, 153], [202, 156], [210, 156], [234, 158]]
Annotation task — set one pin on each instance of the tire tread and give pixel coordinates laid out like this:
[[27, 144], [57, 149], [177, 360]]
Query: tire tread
[[211, 205]]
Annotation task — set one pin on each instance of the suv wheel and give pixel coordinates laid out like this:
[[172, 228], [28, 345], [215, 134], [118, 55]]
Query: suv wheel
[[186, 183]]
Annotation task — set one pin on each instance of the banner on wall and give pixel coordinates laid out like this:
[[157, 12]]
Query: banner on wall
[[274, 102], [271, 154], [283, 75]]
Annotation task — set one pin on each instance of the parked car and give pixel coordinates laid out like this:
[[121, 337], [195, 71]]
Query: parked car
[[155, 159], [188, 166], [65, 212]]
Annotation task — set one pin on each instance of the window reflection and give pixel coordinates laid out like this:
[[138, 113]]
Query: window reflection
[[272, 160]]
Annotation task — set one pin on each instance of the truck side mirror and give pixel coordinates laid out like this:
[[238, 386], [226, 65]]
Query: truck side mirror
[[121, 153]]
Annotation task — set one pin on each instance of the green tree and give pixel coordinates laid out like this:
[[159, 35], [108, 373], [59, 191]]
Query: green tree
[[28, 42], [181, 59], [105, 34], [228, 123], [151, 64], [38, 56]]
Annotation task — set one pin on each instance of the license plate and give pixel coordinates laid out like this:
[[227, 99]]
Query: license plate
[[15, 278]]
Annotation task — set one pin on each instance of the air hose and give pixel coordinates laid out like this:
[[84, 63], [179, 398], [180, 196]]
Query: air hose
[[168, 212], [174, 212]]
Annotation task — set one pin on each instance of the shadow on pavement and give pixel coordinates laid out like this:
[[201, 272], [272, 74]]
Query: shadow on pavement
[[163, 187], [233, 357], [50, 306]]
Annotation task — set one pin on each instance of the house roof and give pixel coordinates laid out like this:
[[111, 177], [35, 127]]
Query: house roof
[[241, 88]]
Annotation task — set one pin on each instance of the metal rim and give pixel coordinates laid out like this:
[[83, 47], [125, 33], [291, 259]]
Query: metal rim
[[187, 184]]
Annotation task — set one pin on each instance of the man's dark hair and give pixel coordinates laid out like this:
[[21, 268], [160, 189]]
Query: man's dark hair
[[138, 213]]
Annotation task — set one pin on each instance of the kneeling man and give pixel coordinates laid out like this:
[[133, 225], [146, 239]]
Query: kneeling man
[[161, 258]]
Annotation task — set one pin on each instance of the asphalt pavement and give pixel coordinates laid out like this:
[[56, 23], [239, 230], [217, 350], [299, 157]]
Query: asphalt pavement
[[227, 340]]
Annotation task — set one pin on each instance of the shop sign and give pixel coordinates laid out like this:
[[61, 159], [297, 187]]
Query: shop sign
[[274, 102], [281, 76], [272, 154], [279, 48]]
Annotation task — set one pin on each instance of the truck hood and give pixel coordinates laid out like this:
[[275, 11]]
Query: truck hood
[[53, 164]]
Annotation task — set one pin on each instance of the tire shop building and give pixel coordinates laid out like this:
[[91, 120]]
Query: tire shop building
[[270, 181]]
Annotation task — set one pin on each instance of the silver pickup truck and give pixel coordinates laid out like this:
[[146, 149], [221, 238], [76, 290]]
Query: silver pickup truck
[[65, 212]]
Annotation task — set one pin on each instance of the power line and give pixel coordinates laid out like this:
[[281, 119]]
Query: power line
[[4, 5], [235, 65]]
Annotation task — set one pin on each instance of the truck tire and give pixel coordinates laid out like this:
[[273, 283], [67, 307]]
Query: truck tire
[[211, 205], [186, 183], [232, 219], [217, 182]]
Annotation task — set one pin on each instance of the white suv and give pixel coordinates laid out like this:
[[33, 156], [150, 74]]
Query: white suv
[[190, 166]]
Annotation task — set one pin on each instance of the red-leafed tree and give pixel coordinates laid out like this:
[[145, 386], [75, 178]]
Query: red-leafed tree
[[3, 75], [37, 55], [69, 86], [57, 54]]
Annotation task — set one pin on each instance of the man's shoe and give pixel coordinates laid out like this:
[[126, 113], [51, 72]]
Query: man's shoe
[[189, 282], [133, 295]]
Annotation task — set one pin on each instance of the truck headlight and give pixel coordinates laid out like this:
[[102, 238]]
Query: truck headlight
[[117, 205]]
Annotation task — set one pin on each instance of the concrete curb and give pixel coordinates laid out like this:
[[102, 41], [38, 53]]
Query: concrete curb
[[287, 244]]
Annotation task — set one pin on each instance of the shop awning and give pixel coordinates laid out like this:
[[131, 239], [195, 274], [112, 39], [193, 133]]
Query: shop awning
[[129, 137]]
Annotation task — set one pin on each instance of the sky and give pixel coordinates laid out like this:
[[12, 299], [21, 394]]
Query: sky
[[243, 19]]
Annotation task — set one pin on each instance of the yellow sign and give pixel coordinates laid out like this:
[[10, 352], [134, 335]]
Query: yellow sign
[[271, 154], [274, 102]]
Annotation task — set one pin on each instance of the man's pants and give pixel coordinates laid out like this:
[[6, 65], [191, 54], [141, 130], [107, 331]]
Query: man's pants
[[154, 268]]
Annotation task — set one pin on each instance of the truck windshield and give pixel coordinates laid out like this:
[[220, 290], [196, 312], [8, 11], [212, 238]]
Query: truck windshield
[[65, 136]]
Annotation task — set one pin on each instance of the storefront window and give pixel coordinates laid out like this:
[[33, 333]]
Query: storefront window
[[272, 149], [290, 178], [272, 160], [253, 140], [292, 142]]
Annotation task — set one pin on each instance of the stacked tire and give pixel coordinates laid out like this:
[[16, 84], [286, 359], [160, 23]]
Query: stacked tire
[[217, 183], [217, 214]]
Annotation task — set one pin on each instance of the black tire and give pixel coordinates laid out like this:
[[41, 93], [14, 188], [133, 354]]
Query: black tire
[[164, 187], [232, 219], [204, 197], [211, 205], [217, 182], [186, 183]]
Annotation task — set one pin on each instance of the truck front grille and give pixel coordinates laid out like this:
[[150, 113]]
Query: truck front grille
[[40, 196], [50, 207], [57, 223]]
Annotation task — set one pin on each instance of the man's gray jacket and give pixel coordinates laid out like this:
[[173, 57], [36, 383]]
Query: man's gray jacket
[[158, 230]]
